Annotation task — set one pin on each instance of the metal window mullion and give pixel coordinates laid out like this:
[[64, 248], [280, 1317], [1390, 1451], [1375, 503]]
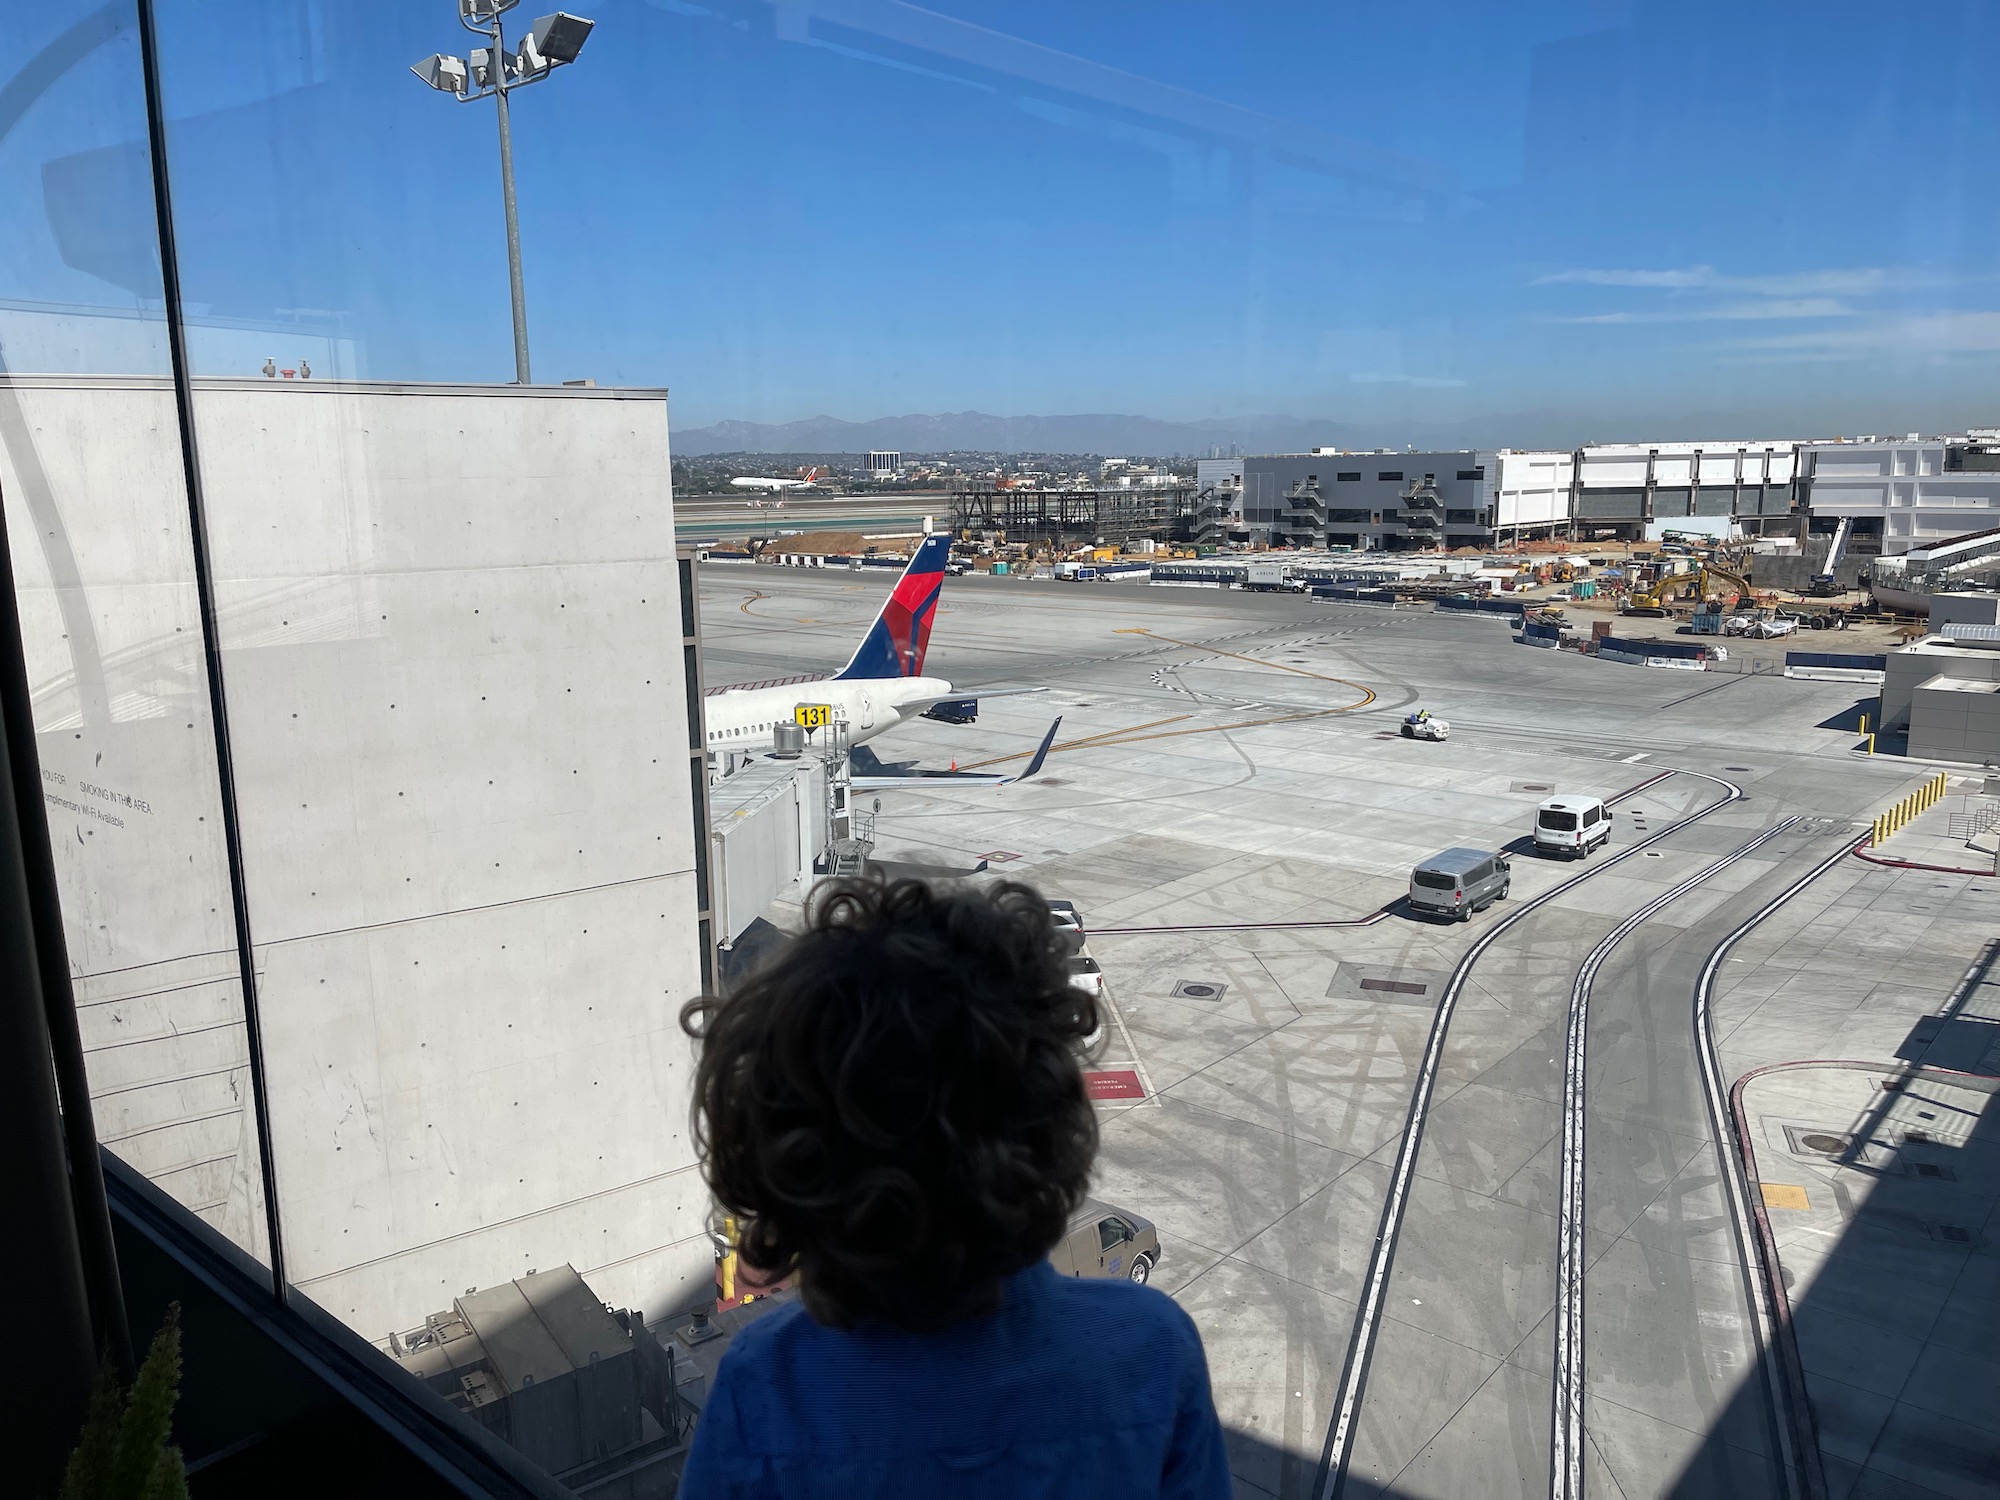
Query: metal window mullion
[[239, 898]]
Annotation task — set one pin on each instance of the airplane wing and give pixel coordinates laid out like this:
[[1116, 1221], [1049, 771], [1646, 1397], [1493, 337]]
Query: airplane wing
[[961, 708], [956, 778], [964, 694]]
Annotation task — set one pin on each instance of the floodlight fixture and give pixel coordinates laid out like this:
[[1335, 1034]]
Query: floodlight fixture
[[493, 72], [557, 39], [442, 72]]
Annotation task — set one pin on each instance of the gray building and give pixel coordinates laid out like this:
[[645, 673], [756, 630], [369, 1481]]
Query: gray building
[[1374, 502], [1945, 690]]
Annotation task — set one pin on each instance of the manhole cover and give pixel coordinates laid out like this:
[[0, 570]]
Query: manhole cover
[[1199, 989], [1739, 768], [1952, 1234], [1831, 1145], [997, 856], [1051, 781]]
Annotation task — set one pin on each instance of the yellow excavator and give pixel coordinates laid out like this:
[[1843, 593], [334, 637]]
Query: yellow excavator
[[1654, 598]]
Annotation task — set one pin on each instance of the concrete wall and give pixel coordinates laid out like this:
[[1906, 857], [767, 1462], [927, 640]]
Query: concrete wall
[[1953, 719], [449, 629], [1913, 666], [1964, 609], [1794, 570]]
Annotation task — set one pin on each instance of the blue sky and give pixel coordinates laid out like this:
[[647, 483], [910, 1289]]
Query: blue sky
[[1617, 219]]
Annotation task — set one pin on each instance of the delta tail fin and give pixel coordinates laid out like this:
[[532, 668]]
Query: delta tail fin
[[895, 643]]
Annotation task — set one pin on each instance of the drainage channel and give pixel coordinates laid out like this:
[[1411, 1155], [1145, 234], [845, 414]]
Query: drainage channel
[[1331, 1478], [1784, 1375], [1566, 1422]]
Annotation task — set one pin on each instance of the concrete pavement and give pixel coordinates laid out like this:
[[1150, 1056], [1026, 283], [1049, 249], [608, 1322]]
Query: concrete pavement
[[1223, 780]]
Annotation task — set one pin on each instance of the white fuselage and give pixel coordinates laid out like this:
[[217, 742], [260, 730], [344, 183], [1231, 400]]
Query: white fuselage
[[743, 718], [772, 484]]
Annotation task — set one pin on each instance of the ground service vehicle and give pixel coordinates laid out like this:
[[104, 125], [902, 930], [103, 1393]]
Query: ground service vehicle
[[1425, 726], [1068, 925], [1459, 882], [1104, 1242], [1571, 826]]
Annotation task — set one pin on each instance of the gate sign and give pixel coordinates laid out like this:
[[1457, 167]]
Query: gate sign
[[813, 715]]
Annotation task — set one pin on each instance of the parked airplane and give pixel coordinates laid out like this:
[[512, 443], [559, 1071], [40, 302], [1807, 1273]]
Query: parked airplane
[[779, 486], [881, 686]]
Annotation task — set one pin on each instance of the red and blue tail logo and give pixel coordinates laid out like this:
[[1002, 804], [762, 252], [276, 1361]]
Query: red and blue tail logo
[[895, 643]]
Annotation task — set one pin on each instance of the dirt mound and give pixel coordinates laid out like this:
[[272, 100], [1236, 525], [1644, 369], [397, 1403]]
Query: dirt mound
[[818, 543]]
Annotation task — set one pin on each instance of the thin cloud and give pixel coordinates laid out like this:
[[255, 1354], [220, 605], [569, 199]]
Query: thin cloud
[[1728, 312], [1923, 336], [1428, 381], [1850, 281]]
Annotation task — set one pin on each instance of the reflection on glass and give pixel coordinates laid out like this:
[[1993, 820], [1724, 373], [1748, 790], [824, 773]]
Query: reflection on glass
[[93, 486]]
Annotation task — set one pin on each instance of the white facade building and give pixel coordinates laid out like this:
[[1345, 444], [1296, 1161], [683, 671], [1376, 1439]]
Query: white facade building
[[884, 464], [1899, 494], [1530, 492]]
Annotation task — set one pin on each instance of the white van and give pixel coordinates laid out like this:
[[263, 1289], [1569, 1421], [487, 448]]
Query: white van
[[1571, 826]]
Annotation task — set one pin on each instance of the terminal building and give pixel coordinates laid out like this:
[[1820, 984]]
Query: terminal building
[[1623, 489], [1903, 495], [1389, 501], [1382, 501]]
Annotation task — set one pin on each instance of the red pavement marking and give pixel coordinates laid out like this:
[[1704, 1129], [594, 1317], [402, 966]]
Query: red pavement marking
[[1118, 1083]]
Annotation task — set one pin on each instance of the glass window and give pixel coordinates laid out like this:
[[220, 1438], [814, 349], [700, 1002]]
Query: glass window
[[1112, 1233], [1390, 474], [1349, 477], [1556, 819], [114, 624]]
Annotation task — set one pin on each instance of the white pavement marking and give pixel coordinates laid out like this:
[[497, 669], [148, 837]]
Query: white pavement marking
[[1566, 1443], [1331, 1479], [1784, 1379], [1132, 1052]]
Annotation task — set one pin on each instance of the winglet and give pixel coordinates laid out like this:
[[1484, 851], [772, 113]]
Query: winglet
[[1041, 754]]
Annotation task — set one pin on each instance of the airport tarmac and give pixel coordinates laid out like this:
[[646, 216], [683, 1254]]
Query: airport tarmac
[[1452, 1203]]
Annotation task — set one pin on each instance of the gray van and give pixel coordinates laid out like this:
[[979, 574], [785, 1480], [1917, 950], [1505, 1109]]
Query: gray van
[[1459, 882], [1105, 1241]]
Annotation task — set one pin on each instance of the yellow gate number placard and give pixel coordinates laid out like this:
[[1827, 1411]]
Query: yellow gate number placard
[[813, 715]]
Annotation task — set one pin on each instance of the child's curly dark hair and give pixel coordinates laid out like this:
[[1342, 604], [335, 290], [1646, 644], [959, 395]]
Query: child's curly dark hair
[[893, 1106]]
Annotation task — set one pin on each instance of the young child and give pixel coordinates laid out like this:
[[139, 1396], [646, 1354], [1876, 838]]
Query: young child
[[893, 1111]]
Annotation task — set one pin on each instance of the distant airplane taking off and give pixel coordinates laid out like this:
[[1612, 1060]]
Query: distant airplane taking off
[[779, 486], [881, 686]]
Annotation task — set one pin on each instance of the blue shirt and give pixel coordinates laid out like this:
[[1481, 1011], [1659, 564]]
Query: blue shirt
[[1094, 1389]]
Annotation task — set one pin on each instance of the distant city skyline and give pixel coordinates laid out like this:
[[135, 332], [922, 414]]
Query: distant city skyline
[[1453, 223]]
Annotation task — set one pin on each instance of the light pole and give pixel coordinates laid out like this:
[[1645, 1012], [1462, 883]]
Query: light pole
[[492, 72]]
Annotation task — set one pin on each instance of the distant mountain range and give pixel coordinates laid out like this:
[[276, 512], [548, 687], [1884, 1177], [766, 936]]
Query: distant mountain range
[[1112, 434]]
